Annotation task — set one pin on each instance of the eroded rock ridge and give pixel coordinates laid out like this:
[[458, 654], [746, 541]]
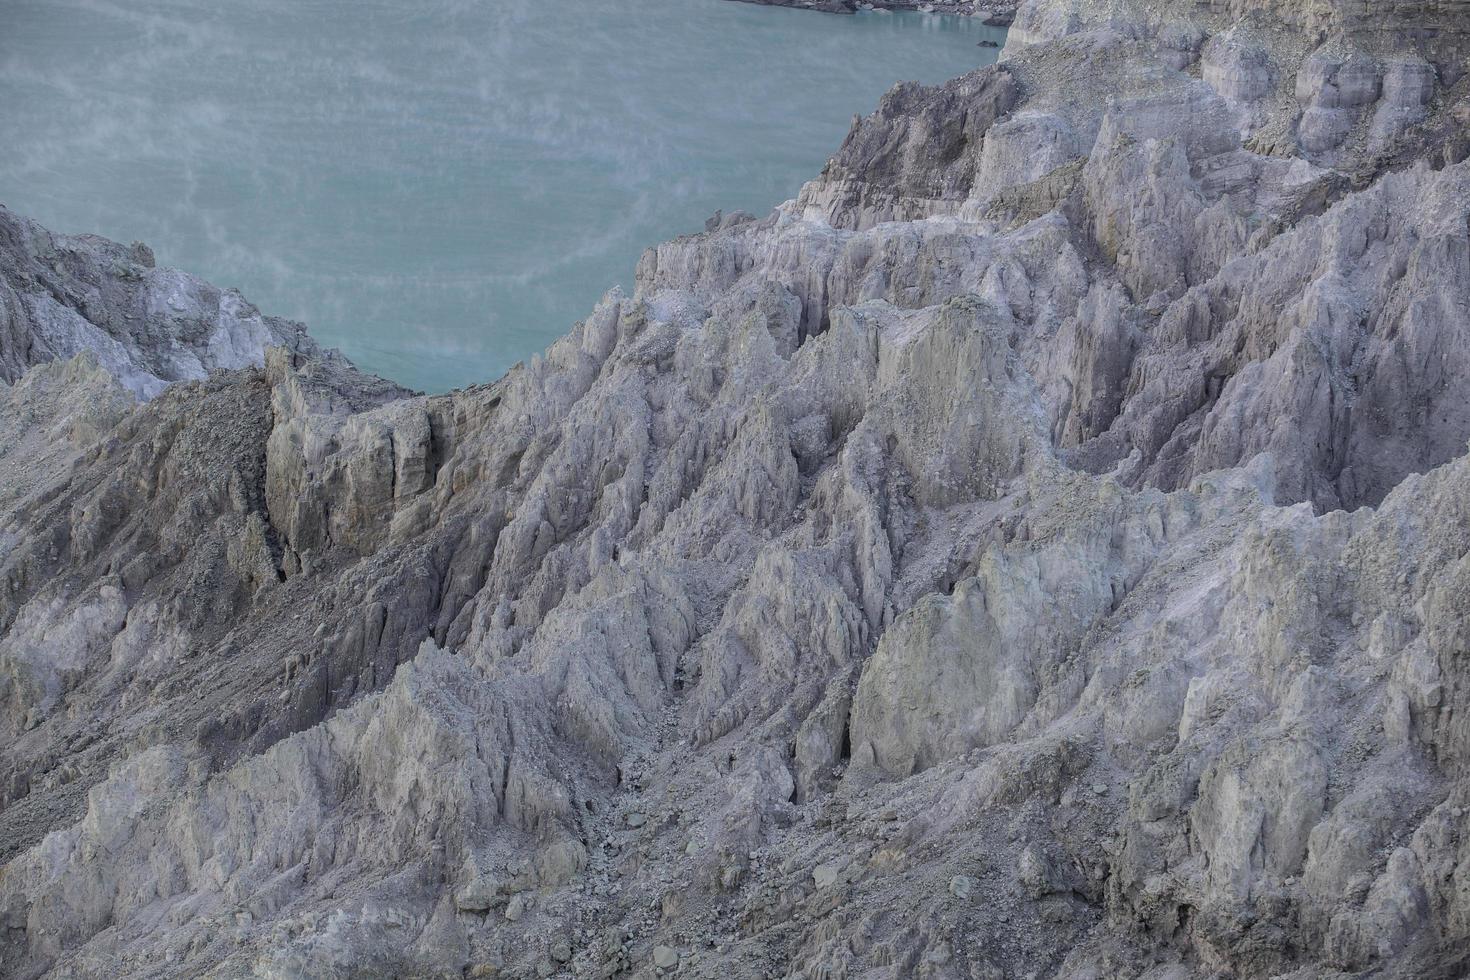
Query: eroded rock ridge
[[1040, 549]]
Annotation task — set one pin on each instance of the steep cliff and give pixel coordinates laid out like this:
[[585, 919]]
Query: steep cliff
[[1041, 548]]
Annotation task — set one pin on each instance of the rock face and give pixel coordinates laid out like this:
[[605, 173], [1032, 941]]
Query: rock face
[[147, 327], [1038, 549]]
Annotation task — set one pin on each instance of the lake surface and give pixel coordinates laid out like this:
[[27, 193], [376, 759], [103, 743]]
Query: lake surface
[[438, 187]]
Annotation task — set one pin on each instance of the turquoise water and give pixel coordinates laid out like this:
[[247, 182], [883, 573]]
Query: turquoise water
[[438, 187]]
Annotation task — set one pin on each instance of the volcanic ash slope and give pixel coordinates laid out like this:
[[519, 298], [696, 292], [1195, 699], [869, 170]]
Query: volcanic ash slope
[[1039, 549]]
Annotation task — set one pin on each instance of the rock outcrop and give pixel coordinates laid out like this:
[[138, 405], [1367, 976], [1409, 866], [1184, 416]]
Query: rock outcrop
[[1038, 549], [64, 295]]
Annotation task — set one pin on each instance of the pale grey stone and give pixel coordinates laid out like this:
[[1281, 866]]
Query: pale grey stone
[[1095, 420]]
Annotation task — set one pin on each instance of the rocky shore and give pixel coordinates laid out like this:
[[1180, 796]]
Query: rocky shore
[[1039, 549], [999, 13]]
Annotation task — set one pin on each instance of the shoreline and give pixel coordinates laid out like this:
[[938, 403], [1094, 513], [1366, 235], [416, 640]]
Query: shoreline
[[993, 13]]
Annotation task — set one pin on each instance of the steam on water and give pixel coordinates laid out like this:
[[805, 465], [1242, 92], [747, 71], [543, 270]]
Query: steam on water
[[439, 187]]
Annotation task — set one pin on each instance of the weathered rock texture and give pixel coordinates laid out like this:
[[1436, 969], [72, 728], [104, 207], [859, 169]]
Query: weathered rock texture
[[1042, 548], [62, 295]]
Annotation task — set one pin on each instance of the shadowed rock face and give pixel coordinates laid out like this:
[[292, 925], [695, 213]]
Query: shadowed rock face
[[1037, 549]]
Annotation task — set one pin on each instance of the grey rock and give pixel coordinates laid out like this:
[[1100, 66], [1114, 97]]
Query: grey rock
[[62, 295], [859, 544], [829, 874]]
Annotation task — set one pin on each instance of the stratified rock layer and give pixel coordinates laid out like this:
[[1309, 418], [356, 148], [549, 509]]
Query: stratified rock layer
[[1039, 549]]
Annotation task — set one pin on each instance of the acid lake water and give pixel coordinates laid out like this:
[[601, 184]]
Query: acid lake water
[[438, 187]]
